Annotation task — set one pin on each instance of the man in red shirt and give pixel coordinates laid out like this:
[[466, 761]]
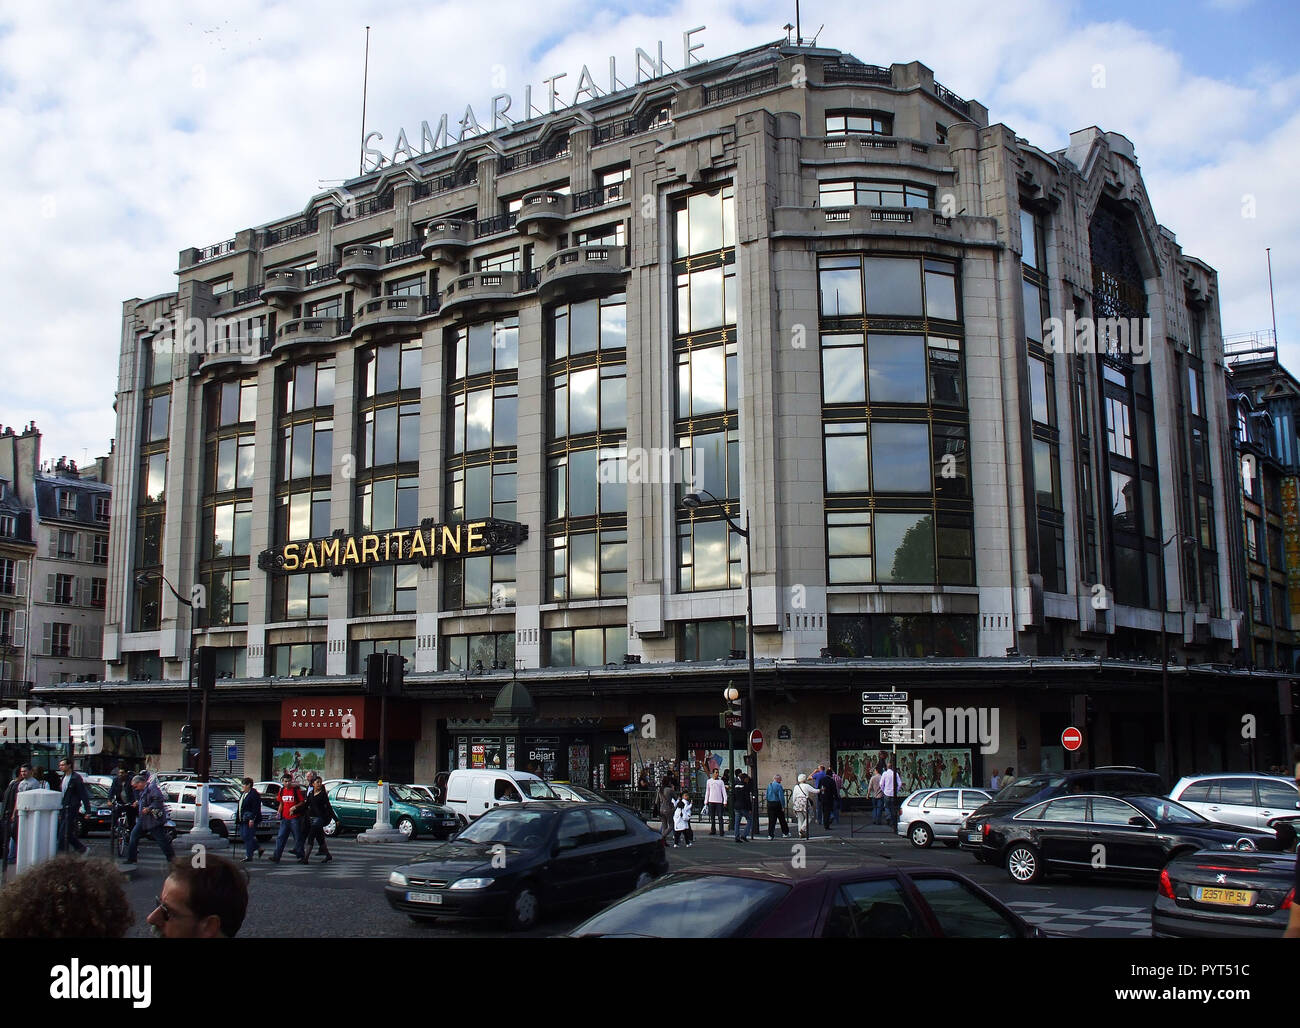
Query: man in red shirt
[[289, 798]]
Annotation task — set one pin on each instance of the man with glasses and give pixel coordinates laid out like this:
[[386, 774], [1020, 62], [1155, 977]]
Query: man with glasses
[[75, 797], [207, 902]]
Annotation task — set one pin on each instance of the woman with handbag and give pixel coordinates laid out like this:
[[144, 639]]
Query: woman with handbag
[[320, 814]]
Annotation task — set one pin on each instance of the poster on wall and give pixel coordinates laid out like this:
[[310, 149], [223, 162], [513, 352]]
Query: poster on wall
[[297, 761], [920, 768], [711, 758]]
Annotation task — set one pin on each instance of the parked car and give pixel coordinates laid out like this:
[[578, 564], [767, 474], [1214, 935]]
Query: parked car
[[555, 853], [1106, 781], [356, 804], [223, 808], [772, 900], [429, 792], [930, 814], [268, 791], [1213, 895], [581, 794], [1103, 836], [1249, 800], [102, 819], [473, 792]]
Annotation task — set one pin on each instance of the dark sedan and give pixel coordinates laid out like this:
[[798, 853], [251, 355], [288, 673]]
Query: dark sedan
[[774, 901], [1225, 895], [101, 817], [1103, 835], [520, 859]]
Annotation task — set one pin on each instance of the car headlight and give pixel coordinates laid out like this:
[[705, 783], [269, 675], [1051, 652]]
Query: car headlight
[[426, 813], [397, 878], [471, 883]]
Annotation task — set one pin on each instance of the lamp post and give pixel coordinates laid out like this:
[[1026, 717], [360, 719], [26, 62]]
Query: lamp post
[[141, 580], [696, 501], [1188, 542]]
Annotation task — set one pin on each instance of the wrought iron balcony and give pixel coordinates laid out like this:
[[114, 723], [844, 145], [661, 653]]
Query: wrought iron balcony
[[302, 331], [361, 263], [581, 270], [446, 240], [543, 213], [472, 292], [282, 285], [389, 310]]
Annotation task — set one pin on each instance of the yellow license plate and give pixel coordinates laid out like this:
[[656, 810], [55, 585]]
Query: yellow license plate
[[1227, 897]]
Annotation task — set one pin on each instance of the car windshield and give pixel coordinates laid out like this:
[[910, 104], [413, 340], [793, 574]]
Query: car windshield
[[537, 790], [1026, 790], [97, 791], [405, 795], [511, 827], [689, 907], [1160, 809], [565, 792], [587, 794], [223, 794]]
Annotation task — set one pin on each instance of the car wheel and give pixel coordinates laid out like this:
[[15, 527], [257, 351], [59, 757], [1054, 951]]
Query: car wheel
[[1023, 864], [219, 828], [921, 835], [525, 908], [643, 879], [407, 827], [331, 829]]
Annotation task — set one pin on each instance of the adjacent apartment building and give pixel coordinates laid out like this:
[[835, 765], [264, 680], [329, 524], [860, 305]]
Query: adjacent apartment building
[[486, 407]]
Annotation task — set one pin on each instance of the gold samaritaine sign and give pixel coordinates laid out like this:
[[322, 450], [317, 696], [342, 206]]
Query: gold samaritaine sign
[[425, 544]]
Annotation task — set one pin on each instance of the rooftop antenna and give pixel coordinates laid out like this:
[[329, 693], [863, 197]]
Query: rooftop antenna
[[365, 84], [818, 33], [798, 34], [1268, 252], [788, 29]]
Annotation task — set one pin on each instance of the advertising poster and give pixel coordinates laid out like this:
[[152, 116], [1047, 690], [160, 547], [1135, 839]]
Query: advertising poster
[[297, 761], [920, 768]]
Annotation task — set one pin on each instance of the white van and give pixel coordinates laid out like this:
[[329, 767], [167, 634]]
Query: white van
[[472, 793]]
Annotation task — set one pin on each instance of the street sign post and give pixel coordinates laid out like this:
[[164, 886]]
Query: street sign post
[[902, 736], [756, 740], [886, 719], [1072, 738], [884, 697]]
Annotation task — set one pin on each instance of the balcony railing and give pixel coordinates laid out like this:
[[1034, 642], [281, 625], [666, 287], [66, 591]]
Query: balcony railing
[[374, 204], [389, 310], [549, 151], [401, 251], [295, 230], [952, 99], [838, 71], [446, 239], [543, 213], [211, 253], [740, 87], [361, 262], [469, 292], [579, 270], [242, 296], [14, 689], [492, 226], [301, 331], [598, 197], [322, 273], [466, 176]]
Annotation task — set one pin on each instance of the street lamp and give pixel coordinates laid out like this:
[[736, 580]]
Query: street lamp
[[141, 580], [1188, 543], [696, 501]]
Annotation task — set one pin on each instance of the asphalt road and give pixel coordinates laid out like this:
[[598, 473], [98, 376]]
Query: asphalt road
[[344, 898]]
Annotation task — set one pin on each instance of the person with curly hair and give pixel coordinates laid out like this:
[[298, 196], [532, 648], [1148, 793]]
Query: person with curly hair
[[67, 897]]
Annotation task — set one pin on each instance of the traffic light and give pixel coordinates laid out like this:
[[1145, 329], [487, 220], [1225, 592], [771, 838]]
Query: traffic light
[[372, 763], [385, 674], [396, 677], [207, 667], [187, 737], [375, 674]]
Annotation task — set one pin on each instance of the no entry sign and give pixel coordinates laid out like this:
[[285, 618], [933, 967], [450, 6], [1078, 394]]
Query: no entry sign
[[755, 740], [1072, 739]]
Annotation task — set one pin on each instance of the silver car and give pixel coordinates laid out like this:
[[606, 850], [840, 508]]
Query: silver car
[[1246, 800], [223, 806], [930, 814]]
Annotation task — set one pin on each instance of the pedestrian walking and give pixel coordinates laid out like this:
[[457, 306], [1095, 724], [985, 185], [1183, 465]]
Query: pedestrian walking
[[890, 784], [804, 800], [321, 813], [292, 804], [877, 798], [1008, 778], [839, 796], [829, 795], [9, 811], [667, 805], [682, 820], [743, 798], [306, 824], [776, 808], [151, 819], [993, 781], [250, 816], [75, 797], [816, 780], [715, 797]]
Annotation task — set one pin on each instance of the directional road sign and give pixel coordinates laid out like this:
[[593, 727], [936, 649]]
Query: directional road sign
[[903, 736], [884, 697]]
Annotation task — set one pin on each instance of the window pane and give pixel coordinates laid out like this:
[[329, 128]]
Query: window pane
[[613, 398], [1033, 312], [843, 377], [841, 287], [478, 423], [583, 325], [583, 401], [900, 457], [706, 299], [893, 285], [582, 483], [896, 366], [505, 417], [905, 547], [582, 565], [708, 380], [846, 464], [940, 296], [710, 555]]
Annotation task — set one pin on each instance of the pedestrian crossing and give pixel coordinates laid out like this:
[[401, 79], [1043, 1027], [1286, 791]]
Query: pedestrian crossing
[[352, 859], [1056, 917]]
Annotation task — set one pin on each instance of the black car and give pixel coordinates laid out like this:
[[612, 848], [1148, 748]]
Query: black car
[[519, 859], [1212, 894], [774, 901], [101, 818], [1104, 835], [1044, 785]]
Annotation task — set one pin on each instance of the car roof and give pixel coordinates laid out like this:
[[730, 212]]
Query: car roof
[[781, 871], [533, 805], [1234, 774]]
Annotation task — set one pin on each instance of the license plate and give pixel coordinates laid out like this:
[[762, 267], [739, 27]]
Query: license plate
[[973, 837], [1224, 897], [423, 897]]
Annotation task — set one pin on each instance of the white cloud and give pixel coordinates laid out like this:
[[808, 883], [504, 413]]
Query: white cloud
[[131, 133]]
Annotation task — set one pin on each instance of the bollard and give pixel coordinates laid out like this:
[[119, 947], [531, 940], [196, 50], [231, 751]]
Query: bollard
[[383, 831], [201, 834], [38, 826]]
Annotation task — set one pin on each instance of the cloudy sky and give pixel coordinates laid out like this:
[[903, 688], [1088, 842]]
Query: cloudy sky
[[130, 131]]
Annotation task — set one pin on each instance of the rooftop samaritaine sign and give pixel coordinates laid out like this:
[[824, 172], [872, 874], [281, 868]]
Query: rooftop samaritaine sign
[[503, 113], [424, 545]]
